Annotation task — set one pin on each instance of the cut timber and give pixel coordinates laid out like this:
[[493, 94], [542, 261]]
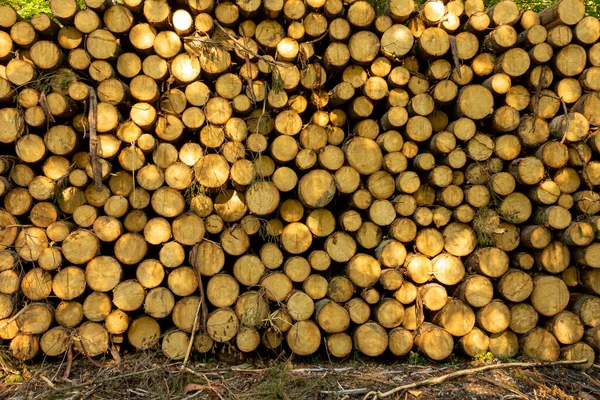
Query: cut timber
[[55, 341], [515, 285], [494, 317], [117, 322], [516, 208], [541, 345], [554, 258], [476, 290], [332, 317], [143, 333], [364, 155], [36, 284], [363, 46], [490, 261], [456, 317], [433, 296], [339, 344], [277, 285], [396, 41], [24, 347], [93, 339], [262, 198], [504, 344], [304, 338], [222, 324], [389, 313], [586, 307], [448, 269], [340, 289], [68, 314], [371, 339], [566, 327], [296, 238], [550, 295], [435, 342], [363, 270], [300, 306], [523, 318], [317, 188], [400, 341], [34, 319], [175, 344], [80, 247], [475, 343], [251, 309], [579, 351], [444, 158], [69, 283], [429, 242], [103, 273], [212, 171], [475, 102], [568, 12]]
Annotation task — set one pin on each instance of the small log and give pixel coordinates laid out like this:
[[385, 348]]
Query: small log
[[435, 342]]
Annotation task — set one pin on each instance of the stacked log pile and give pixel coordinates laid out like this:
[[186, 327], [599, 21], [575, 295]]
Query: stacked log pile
[[305, 174]]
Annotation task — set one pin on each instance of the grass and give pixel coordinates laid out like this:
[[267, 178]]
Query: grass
[[380, 6], [416, 358], [28, 8], [485, 357]]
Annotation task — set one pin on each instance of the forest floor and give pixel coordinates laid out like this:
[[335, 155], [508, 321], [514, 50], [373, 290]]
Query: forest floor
[[150, 376]]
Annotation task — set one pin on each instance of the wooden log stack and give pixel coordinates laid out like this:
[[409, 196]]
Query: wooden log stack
[[305, 174]]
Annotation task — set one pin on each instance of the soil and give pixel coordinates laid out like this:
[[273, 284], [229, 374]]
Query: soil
[[227, 376]]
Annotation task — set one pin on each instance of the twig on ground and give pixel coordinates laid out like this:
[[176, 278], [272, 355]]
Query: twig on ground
[[505, 387], [466, 372], [373, 378], [319, 369], [594, 381], [194, 328], [69, 361], [427, 371], [47, 381], [115, 354], [113, 378], [535, 379], [87, 355], [192, 387], [392, 372], [201, 374], [202, 311], [201, 289], [346, 391]]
